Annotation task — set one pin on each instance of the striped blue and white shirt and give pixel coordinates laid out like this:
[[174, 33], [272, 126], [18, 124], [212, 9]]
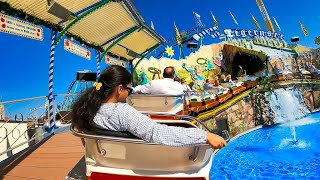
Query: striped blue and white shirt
[[123, 117]]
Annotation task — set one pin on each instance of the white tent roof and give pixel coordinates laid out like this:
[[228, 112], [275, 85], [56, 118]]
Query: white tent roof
[[102, 26]]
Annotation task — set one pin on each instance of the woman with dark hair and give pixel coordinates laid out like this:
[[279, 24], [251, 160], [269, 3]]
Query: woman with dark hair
[[103, 106]]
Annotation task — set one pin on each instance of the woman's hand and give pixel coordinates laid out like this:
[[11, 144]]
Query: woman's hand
[[215, 141]]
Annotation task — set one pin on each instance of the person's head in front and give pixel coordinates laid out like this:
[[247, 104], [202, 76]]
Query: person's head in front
[[177, 79], [183, 80], [103, 107], [223, 77], [113, 86], [165, 86], [191, 85], [168, 72]]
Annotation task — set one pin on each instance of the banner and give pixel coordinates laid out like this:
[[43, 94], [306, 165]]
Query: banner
[[76, 49], [230, 33], [252, 33], [17, 27], [210, 31], [112, 61]]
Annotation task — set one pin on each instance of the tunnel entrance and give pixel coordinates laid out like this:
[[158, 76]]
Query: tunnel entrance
[[250, 63]]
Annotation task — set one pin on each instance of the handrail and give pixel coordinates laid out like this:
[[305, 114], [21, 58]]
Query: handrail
[[155, 95], [12, 148], [11, 130], [67, 94], [20, 100], [246, 93], [115, 139]]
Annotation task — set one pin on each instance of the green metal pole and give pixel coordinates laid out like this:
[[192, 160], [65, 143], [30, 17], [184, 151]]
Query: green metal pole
[[152, 49], [78, 19], [116, 42]]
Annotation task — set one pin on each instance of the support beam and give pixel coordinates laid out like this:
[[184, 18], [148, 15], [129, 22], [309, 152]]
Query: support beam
[[98, 64], [78, 19], [50, 94], [82, 11], [117, 41], [148, 52], [119, 35]]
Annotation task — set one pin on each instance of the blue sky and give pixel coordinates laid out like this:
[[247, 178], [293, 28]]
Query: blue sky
[[25, 62]]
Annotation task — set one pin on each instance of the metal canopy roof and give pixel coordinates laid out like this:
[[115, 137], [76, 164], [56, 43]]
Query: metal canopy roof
[[99, 22]]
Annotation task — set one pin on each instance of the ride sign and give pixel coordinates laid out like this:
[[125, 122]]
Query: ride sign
[[17, 27], [76, 49], [232, 33], [252, 33]]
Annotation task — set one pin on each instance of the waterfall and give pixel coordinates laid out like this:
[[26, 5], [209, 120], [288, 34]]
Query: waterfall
[[287, 105]]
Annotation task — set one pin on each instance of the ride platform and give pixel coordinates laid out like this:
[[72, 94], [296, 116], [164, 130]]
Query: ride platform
[[53, 159]]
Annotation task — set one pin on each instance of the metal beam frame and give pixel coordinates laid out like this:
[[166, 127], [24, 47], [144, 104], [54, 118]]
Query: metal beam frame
[[82, 10], [129, 50], [117, 41], [141, 21], [79, 18], [119, 35], [147, 52]]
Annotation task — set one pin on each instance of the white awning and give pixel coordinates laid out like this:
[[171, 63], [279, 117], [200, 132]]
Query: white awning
[[102, 26]]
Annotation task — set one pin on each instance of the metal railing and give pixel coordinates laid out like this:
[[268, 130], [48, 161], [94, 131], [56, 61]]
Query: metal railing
[[63, 107], [21, 124], [24, 122]]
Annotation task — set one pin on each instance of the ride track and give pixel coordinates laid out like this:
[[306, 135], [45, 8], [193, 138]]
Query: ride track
[[236, 98]]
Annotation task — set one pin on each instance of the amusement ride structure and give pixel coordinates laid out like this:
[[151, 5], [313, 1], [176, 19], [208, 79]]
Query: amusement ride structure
[[236, 106]]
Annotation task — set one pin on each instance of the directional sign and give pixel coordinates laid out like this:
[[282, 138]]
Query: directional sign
[[112, 61], [76, 49], [17, 27]]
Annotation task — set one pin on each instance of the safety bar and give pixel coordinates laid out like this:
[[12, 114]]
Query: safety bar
[[119, 139], [155, 95]]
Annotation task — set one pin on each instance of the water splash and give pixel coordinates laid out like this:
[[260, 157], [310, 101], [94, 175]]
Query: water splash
[[291, 143], [300, 122], [293, 129], [287, 105]]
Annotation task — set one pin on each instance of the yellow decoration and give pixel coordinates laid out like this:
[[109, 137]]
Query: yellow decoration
[[178, 37], [169, 51], [255, 22], [97, 85], [304, 30], [215, 22]]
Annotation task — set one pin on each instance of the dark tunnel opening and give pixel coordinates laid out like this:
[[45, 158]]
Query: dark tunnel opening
[[250, 63]]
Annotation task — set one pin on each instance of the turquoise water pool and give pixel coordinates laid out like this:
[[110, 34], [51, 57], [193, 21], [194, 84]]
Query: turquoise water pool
[[285, 151]]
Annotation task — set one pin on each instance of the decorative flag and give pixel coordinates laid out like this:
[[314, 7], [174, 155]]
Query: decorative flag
[[255, 22], [197, 15], [234, 19], [304, 30], [197, 20], [152, 26], [276, 22], [265, 15], [178, 37], [215, 22]]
